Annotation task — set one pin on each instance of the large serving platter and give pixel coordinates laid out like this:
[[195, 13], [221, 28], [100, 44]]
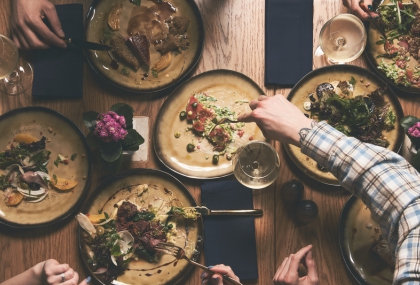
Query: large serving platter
[[373, 50], [142, 80], [357, 232], [65, 138], [161, 186], [229, 87], [307, 85]]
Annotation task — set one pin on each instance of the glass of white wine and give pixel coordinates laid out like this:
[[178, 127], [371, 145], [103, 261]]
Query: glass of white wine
[[15, 73], [256, 164], [342, 39]]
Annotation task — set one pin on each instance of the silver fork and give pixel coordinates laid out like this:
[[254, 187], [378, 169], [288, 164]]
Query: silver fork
[[222, 121], [179, 253]]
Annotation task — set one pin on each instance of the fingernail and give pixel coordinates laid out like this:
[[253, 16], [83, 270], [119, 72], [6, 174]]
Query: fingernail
[[376, 17], [202, 275], [215, 277], [203, 281], [61, 33], [210, 267], [88, 279], [370, 7]]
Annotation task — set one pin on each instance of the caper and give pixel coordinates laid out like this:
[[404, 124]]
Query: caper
[[100, 230], [182, 115], [215, 159], [23, 185], [177, 135], [190, 147], [194, 104]]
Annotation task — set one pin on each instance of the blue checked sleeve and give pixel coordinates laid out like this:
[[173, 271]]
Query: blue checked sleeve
[[384, 181]]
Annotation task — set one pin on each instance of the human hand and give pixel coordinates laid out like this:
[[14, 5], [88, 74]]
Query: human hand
[[277, 118], [287, 273], [360, 8], [29, 31], [216, 278], [53, 273]]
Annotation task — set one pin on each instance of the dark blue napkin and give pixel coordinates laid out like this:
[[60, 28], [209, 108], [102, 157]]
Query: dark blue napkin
[[288, 40], [58, 73], [230, 239]]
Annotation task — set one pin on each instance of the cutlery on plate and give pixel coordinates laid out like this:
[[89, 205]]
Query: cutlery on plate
[[87, 45], [203, 210], [179, 253], [222, 121]]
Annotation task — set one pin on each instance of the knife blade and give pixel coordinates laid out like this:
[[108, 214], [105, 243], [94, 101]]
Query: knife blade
[[204, 211], [87, 45]]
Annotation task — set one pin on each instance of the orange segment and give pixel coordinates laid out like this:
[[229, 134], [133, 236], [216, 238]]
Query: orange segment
[[94, 219], [24, 138], [63, 184], [14, 198]]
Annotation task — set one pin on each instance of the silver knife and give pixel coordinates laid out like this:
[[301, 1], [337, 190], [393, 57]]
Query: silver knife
[[203, 210], [87, 45]]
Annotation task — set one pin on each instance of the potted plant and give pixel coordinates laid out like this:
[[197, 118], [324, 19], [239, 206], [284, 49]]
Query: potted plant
[[411, 126], [112, 133]]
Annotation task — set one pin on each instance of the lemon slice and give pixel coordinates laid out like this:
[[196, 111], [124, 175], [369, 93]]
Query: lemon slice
[[24, 138], [63, 184]]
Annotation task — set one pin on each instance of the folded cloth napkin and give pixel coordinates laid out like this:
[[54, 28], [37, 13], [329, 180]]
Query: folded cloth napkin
[[288, 40], [230, 239], [58, 73]]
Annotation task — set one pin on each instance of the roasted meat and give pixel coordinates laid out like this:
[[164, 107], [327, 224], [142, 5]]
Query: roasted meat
[[122, 51], [139, 45]]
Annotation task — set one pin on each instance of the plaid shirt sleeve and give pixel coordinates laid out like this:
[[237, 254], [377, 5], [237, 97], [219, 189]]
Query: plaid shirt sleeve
[[385, 182]]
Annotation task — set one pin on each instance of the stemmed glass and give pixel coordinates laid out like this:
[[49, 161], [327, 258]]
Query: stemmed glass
[[342, 39], [256, 164], [15, 73]]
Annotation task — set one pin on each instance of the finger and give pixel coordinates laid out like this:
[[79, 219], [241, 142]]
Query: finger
[[253, 104], [58, 269], [33, 40], [368, 8], [311, 267], [262, 97], [70, 281], [86, 281], [246, 118], [217, 279], [297, 257], [46, 34], [280, 269], [21, 41], [285, 268], [51, 14], [225, 270]]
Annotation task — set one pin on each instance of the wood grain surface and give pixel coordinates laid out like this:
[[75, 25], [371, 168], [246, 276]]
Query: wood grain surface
[[234, 39]]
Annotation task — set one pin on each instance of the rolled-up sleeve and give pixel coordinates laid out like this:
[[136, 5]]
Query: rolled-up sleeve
[[385, 182]]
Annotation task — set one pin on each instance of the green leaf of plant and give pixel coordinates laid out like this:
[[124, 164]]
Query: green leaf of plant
[[125, 110], [111, 151], [408, 121], [93, 141], [89, 118], [130, 138]]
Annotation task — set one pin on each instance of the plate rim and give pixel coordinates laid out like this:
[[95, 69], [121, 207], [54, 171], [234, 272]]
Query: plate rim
[[349, 68], [139, 171], [88, 156], [170, 97], [169, 85]]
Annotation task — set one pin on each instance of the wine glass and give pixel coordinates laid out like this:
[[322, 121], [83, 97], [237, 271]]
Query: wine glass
[[256, 164], [15, 73], [342, 39]]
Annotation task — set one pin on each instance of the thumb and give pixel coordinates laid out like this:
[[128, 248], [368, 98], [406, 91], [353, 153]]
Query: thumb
[[86, 281], [311, 267], [216, 279]]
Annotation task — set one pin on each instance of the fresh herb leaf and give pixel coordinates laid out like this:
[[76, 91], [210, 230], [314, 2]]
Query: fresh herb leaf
[[155, 73], [137, 2], [55, 178], [352, 81], [73, 156], [56, 161]]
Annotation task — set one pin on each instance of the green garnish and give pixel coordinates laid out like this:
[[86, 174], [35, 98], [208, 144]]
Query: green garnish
[[73, 156]]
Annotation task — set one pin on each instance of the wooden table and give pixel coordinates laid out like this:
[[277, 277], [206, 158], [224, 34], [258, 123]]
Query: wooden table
[[234, 39]]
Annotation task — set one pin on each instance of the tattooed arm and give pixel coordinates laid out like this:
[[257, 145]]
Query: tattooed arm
[[279, 119]]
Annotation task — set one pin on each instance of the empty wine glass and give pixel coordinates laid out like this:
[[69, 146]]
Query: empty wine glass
[[15, 73], [342, 39], [256, 164]]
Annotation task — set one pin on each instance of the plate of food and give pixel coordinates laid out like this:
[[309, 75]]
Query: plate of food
[[396, 59], [124, 220], [45, 167], [156, 43], [186, 138], [353, 100], [364, 249]]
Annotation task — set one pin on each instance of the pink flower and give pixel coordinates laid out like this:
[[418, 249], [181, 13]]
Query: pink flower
[[414, 131], [110, 127]]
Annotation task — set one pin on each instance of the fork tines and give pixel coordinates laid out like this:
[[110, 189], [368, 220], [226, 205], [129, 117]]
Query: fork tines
[[171, 249]]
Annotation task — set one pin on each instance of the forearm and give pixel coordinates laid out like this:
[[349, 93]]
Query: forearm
[[32, 276]]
